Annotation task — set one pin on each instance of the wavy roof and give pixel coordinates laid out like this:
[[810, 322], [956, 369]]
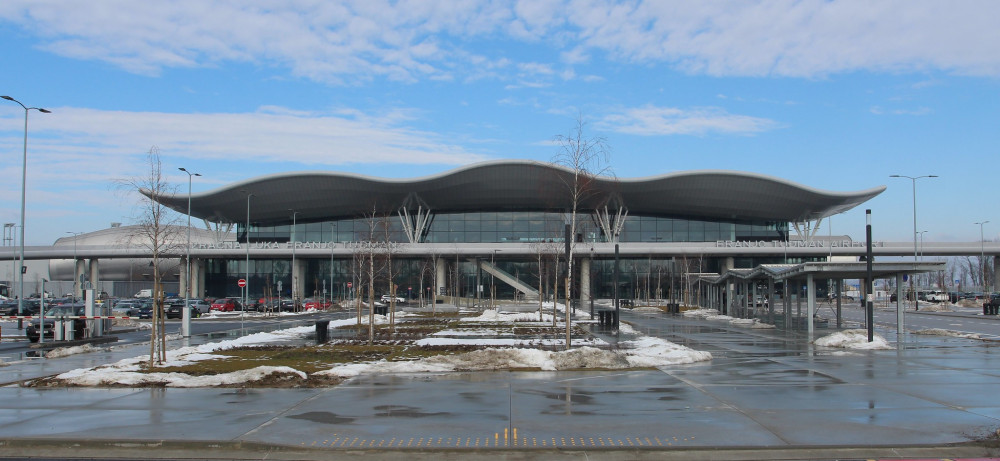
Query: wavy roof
[[517, 185]]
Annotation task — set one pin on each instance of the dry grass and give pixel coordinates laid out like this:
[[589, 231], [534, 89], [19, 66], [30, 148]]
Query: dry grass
[[391, 343]]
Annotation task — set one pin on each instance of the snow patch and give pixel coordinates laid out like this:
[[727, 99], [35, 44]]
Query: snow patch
[[937, 307], [507, 342], [943, 332], [703, 313], [132, 378], [853, 339], [494, 315], [67, 351]]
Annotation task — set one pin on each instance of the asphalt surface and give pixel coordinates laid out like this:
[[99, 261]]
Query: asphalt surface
[[766, 394]]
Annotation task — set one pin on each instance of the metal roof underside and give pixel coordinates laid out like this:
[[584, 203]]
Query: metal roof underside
[[829, 270], [517, 186]]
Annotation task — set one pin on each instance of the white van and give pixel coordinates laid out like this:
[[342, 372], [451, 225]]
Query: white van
[[147, 293]]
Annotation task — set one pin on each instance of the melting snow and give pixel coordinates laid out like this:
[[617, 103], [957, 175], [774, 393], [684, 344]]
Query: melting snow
[[643, 351], [943, 332], [852, 339], [67, 351]]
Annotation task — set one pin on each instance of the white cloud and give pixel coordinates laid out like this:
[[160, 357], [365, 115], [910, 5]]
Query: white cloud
[[801, 39], [77, 153], [271, 134], [660, 121], [338, 42]]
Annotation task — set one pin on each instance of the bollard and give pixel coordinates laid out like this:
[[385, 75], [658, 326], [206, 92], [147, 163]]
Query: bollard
[[322, 331]]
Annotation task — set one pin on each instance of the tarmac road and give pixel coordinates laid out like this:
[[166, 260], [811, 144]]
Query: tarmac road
[[767, 394]]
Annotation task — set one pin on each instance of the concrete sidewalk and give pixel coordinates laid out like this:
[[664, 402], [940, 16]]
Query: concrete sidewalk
[[767, 394]]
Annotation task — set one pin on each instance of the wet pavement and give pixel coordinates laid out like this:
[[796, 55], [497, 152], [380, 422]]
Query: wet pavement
[[763, 390]]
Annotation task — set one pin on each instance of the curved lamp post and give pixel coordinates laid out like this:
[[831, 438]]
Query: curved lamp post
[[914, 179], [24, 179], [186, 315]]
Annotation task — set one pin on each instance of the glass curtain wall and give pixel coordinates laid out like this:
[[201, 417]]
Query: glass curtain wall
[[504, 227]]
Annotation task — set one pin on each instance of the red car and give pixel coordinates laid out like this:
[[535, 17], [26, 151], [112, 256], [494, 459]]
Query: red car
[[225, 305], [315, 304]]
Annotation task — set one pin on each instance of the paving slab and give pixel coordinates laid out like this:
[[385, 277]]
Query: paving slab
[[763, 390]]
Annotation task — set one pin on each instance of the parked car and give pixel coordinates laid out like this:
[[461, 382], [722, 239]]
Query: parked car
[[176, 309], [388, 298], [29, 307], [34, 331], [935, 296], [8, 306], [286, 305], [145, 310], [226, 305], [310, 303], [265, 304], [127, 307]]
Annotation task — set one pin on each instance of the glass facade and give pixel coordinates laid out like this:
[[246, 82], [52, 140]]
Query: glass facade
[[638, 278], [505, 227]]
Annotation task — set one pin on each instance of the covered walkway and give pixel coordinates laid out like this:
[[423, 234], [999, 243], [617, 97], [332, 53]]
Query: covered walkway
[[753, 293]]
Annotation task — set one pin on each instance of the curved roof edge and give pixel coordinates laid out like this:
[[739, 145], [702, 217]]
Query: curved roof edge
[[516, 185]]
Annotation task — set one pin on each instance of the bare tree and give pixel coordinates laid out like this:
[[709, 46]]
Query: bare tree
[[587, 159], [432, 263], [370, 258], [542, 249], [158, 230], [389, 248]]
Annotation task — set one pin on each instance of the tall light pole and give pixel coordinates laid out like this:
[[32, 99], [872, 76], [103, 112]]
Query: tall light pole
[[76, 279], [13, 242], [924, 280], [913, 179], [186, 316], [333, 238], [24, 181], [982, 256], [295, 287], [246, 288]]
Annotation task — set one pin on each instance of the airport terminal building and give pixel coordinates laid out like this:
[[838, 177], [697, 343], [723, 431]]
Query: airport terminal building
[[495, 229]]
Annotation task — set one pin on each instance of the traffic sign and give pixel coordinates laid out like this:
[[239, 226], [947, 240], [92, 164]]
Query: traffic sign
[[242, 283]]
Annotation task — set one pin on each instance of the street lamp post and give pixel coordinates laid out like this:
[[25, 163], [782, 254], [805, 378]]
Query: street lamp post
[[982, 257], [24, 181], [913, 179], [295, 288], [924, 280], [333, 238], [246, 288], [186, 316], [12, 233]]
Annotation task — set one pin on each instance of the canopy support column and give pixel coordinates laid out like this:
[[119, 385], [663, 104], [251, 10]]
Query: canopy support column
[[810, 302]]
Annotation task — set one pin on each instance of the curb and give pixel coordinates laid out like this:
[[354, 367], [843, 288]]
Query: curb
[[75, 342], [167, 449]]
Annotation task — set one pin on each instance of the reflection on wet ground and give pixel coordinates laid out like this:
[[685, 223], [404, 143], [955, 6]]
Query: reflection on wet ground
[[763, 388]]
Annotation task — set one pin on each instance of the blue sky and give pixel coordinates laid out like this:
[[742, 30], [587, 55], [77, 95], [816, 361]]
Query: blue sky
[[836, 95]]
